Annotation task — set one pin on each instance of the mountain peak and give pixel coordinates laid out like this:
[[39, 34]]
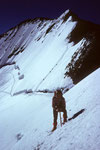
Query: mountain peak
[[67, 14], [64, 14]]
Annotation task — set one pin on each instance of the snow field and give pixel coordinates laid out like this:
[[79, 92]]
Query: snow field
[[31, 117]]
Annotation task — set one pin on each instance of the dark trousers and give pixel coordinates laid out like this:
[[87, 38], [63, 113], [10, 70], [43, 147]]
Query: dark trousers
[[55, 114]]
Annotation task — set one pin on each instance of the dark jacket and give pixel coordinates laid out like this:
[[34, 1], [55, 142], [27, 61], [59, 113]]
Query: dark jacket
[[58, 103]]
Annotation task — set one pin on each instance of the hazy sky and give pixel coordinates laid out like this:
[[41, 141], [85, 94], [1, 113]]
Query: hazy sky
[[12, 12]]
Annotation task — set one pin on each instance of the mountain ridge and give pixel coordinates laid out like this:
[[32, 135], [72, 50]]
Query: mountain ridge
[[68, 36], [70, 13]]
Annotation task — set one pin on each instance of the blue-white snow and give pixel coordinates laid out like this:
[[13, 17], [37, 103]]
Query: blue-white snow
[[31, 117], [45, 54], [26, 116]]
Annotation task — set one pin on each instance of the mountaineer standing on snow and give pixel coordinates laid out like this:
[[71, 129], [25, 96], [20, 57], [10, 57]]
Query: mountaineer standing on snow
[[59, 105]]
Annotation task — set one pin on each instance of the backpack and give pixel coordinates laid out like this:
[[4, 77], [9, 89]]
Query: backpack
[[61, 104]]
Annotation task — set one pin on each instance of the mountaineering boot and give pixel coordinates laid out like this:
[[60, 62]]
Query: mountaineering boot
[[54, 126], [64, 121]]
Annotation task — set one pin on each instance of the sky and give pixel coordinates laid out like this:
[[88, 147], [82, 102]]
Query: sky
[[12, 12]]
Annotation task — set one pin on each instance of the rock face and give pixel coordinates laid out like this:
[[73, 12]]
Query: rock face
[[89, 59]]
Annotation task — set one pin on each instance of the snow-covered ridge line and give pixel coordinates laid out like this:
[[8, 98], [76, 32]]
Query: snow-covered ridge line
[[27, 21]]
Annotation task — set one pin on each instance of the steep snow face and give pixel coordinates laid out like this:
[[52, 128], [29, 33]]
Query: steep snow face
[[43, 54], [83, 129], [37, 53], [25, 120]]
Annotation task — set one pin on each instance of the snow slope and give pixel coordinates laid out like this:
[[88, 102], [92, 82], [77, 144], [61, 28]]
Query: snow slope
[[34, 57], [26, 119], [38, 52]]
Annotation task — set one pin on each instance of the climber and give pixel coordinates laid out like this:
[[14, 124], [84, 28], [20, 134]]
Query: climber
[[59, 105]]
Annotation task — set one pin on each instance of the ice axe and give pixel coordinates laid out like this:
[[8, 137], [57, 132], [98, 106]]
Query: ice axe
[[60, 119]]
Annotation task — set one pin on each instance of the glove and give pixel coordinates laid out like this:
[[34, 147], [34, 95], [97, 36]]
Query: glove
[[56, 108]]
